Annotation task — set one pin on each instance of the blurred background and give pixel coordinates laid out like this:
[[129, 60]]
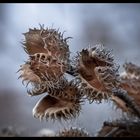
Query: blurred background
[[117, 26]]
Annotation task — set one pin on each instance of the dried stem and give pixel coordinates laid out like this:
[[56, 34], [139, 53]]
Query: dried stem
[[112, 132], [127, 124]]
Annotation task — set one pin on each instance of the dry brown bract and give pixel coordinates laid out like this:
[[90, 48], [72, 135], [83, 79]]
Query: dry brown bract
[[130, 81], [97, 73], [51, 108]]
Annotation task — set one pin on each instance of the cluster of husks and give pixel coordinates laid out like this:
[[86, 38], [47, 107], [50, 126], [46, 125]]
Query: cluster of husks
[[45, 72], [95, 74], [120, 128], [130, 82]]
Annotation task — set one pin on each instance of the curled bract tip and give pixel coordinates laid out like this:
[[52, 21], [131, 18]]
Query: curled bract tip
[[51, 108]]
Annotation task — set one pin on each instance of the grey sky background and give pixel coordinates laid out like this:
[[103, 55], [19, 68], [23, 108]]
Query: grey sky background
[[117, 26]]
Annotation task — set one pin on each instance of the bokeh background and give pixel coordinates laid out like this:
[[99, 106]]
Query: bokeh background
[[117, 26]]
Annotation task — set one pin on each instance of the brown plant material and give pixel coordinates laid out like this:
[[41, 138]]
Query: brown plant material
[[108, 131], [120, 103], [97, 73], [96, 78], [64, 103], [48, 41], [131, 70], [73, 132], [51, 108], [130, 82], [120, 128], [128, 101], [48, 62], [48, 58], [105, 130]]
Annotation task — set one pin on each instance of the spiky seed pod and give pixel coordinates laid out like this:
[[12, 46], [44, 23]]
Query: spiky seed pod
[[63, 102], [97, 73], [48, 41], [129, 81], [51, 108], [48, 59], [73, 132]]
